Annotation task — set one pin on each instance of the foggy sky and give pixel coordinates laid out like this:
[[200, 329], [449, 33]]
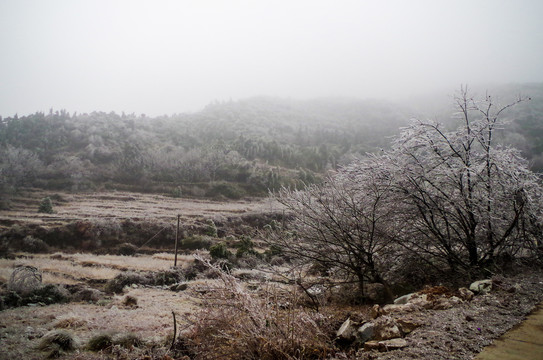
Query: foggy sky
[[165, 57]]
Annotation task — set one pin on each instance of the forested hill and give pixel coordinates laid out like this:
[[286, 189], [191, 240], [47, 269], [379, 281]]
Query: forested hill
[[243, 147], [229, 149]]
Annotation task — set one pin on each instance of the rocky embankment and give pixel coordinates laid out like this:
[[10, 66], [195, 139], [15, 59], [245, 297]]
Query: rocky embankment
[[439, 323]]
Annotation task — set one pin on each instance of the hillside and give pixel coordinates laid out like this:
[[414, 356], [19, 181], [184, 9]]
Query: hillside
[[230, 149]]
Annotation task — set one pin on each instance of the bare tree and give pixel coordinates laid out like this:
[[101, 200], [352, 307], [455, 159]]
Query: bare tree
[[468, 201], [454, 199], [345, 225]]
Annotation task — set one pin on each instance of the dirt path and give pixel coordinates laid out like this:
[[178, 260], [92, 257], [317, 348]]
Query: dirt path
[[524, 342]]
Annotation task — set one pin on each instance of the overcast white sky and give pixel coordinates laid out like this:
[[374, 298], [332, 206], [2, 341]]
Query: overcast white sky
[[163, 57]]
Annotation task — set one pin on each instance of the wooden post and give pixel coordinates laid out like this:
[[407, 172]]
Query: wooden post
[[174, 332], [176, 240]]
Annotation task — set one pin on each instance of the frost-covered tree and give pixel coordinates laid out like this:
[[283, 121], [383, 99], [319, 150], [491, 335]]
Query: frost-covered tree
[[454, 200], [467, 200], [345, 225], [18, 166]]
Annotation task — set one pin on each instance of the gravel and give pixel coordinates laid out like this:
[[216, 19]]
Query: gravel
[[464, 330]]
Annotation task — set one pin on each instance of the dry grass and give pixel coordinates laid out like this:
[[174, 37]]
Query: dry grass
[[69, 321], [6, 268], [151, 321], [245, 325], [49, 278], [125, 205], [156, 262], [69, 269]]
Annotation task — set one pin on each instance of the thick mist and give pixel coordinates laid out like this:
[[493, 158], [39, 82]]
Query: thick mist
[[165, 57]]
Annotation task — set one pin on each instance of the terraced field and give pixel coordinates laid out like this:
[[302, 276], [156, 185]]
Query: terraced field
[[123, 205], [74, 213]]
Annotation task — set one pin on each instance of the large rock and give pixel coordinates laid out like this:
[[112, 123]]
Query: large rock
[[25, 279], [347, 331], [365, 332], [481, 287], [386, 345], [465, 294], [386, 328]]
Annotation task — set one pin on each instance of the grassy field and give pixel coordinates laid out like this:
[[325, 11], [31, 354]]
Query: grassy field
[[123, 205], [71, 268], [21, 328], [151, 319]]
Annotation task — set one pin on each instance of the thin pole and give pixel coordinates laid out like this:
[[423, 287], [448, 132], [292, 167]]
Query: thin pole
[[176, 240], [174, 331]]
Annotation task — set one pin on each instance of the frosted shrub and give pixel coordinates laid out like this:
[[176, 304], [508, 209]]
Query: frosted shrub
[[46, 206], [244, 325], [25, 279]]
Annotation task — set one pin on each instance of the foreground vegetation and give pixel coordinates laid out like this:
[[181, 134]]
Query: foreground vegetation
[[250, 311]]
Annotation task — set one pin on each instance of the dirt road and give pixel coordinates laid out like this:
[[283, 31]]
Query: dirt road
[[523, 342]]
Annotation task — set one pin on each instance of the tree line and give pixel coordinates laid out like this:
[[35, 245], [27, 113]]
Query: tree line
[[246, 147], [239, 148]]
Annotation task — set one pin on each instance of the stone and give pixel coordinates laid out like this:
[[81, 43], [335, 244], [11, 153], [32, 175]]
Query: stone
[[25, 279], [376, 311], [371, 345], [386, 328], [365, 332], [385, 345], [481, 287], [402, 300], [407, 326], [465, 294], [392, 344], [347, 331]]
